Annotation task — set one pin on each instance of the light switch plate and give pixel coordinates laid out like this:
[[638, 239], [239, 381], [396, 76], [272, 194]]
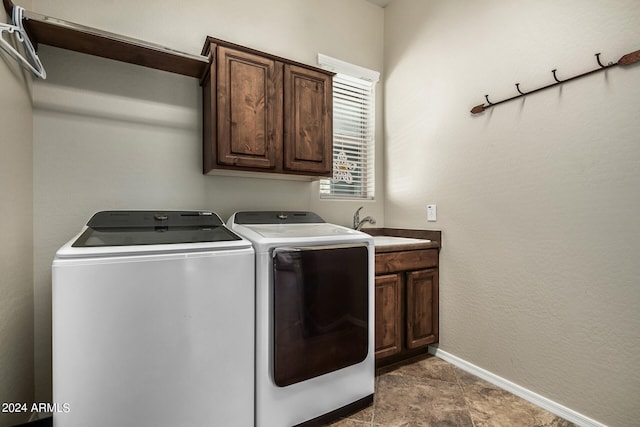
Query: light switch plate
[[432, 213]]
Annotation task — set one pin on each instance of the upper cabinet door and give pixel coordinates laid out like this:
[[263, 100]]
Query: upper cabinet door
[[308, 134], [249, 101]]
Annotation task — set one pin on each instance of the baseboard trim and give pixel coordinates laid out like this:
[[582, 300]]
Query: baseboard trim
[[541, 401]]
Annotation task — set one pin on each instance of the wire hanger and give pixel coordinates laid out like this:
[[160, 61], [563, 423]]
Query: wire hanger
[[31, 62]]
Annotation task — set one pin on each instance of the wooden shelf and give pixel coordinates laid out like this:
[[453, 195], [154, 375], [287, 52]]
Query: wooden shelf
[[67, 35]]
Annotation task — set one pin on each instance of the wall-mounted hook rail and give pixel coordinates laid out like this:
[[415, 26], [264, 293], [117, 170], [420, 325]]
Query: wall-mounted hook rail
[[627, 59]]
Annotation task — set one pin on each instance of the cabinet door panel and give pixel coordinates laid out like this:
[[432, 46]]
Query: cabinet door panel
[[388, 315], [308, 106], [249, 109], [422, 316]]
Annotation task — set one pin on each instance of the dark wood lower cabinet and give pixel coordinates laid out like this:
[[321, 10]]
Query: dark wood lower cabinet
[[406, 304]]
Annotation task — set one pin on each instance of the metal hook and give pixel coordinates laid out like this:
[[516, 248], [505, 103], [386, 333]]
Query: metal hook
[[518, 89], [555, 77], [601, 64], [487, 98]]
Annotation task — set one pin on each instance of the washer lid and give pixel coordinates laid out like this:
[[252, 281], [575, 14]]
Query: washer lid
[[276, 217], [277, 228], [293, 231], [135, 228]]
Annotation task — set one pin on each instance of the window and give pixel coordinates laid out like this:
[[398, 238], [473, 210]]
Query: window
[[353, 131]]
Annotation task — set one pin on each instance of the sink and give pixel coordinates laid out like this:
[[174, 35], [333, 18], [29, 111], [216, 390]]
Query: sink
[[393, 240]]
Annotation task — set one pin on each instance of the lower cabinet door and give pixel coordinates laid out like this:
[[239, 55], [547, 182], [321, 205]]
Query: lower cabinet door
[[422, 318], [388, 311]]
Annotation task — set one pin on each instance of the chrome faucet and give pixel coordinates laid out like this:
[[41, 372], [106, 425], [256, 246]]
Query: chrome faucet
[[357, 224]]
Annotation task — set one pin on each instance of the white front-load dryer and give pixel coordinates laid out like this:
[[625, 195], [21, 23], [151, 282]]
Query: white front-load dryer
[[153, 323], [314, 317]]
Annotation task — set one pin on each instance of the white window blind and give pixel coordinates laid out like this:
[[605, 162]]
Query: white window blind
[[353, 131]]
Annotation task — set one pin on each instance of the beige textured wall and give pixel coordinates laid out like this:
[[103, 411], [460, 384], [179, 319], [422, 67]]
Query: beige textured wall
[[16, 229], [537, 199], [109, 135]]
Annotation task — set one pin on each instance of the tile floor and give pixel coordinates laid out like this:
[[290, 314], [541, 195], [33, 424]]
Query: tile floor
[[431, 392]]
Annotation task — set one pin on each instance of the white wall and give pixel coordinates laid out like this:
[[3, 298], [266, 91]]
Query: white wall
[[537, 198], [109, 135], [16, 229]]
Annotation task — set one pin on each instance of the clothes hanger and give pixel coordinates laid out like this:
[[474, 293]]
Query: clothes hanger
[[31, 62]]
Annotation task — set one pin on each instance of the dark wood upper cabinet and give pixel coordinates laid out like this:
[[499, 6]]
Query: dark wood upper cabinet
[[263, 113]]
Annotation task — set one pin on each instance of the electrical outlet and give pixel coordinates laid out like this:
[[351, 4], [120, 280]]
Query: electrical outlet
[[432, 213]]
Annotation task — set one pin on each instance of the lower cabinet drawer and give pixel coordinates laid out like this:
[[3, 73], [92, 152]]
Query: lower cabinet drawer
[[390, 262]]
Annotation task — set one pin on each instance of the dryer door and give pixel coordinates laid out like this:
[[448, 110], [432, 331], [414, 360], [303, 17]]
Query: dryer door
[[320, 310]]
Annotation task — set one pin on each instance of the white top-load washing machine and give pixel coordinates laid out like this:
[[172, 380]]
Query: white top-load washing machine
[[153, 323], [314, 317]]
